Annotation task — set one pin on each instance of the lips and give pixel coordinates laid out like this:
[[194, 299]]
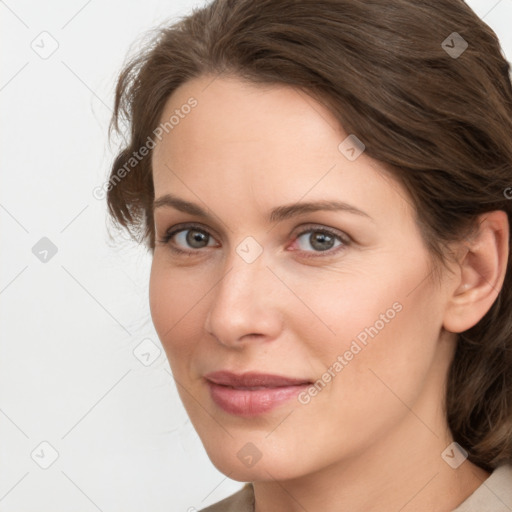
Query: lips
[[251, 394], [253, 380]]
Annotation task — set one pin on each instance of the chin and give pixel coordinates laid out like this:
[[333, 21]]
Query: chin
[[269, 467]]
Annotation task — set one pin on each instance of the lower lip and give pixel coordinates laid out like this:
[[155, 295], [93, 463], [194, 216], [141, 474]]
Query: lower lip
[[247, 403]]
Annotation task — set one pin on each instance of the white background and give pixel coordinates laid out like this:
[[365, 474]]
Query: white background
[[68, 373]]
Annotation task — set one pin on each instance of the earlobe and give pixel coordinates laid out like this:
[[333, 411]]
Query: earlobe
[[482, 271]]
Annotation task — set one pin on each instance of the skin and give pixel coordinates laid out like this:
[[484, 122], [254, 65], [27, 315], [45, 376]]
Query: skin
[[372, 439]]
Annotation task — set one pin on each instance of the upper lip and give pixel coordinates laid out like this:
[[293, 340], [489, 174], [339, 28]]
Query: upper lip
[[250, 379]]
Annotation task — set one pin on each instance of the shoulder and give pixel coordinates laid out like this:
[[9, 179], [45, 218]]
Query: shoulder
[[494, 495], [241, 501]]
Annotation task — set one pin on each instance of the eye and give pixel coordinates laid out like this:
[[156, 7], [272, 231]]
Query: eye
[[187, 239], [321, 240]]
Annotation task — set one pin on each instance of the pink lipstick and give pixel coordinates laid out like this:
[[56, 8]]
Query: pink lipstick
[[251, 393]]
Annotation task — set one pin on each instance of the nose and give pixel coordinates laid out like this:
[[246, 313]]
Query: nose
[[245, 304]]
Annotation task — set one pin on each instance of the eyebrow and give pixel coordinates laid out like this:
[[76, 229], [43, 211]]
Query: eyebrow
[[277, 214]]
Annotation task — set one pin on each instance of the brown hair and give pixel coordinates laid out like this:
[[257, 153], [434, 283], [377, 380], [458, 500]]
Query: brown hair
[[440, 122]]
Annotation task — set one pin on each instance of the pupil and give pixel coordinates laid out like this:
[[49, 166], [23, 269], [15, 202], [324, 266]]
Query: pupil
[[196, 238], [321, 241]]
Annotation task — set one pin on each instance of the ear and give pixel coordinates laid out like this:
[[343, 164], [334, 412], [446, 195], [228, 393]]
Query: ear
[[483, 266]]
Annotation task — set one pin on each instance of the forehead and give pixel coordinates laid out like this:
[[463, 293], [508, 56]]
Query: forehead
[[230, 112], [270, 142]]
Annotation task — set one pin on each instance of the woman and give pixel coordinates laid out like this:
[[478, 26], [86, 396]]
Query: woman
[[325, 190]]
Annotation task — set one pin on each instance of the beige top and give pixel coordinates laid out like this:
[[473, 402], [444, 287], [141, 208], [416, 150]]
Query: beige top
[[494, 495]]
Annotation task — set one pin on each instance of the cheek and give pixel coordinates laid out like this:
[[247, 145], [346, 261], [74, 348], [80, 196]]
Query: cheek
[[387, 339], [373, 330], [368, 393], [175, 298]]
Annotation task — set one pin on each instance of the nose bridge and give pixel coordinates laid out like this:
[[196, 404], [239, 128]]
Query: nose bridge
[[241, 298]]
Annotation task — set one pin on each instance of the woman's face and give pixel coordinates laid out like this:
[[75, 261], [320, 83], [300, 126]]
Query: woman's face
[[339, 296]]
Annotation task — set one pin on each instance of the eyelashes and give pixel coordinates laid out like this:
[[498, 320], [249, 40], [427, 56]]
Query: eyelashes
[[199, 234], [327, 238], [192, 239]]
